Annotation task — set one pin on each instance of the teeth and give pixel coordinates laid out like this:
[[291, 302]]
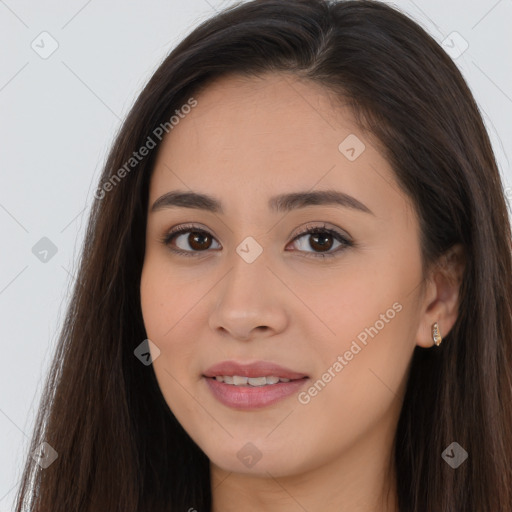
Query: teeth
[[257, 381], [238, 380]]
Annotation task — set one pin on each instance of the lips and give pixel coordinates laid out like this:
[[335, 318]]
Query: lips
[[249, 398], [256, 369]]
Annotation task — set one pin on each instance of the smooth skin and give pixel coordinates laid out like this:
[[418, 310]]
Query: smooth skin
[[247, 140]]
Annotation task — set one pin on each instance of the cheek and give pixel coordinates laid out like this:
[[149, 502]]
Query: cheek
[[162, 298], [158, 302], [155, 305], [349, 302], [169, 305], [161, 310], [366, 316], [360, 372]]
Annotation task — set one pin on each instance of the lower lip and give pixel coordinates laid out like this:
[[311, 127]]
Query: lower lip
[[245, 397]]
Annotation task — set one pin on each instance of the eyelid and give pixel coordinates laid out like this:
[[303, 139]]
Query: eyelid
[[326, 226]]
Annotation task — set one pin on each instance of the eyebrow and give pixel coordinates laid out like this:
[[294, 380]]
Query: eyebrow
[[279, 203]]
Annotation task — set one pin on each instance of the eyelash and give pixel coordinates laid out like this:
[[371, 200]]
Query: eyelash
[[172, 234]]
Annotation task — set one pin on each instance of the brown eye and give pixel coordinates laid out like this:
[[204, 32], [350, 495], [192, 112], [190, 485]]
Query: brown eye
[[199, 241], [321, 240], [188, 240]]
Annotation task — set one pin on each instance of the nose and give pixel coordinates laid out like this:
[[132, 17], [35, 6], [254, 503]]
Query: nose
[[250, 301]]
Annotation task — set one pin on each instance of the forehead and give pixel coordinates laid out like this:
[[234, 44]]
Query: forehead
[[267, 116], [267, 134]]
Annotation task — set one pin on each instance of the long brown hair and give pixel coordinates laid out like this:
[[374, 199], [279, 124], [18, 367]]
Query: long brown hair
[[119, 446]]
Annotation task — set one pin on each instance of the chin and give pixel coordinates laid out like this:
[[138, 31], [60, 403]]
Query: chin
[[257, 458]]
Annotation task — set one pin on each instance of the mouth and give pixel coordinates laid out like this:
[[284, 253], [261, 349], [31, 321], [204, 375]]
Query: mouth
[[254, 385]]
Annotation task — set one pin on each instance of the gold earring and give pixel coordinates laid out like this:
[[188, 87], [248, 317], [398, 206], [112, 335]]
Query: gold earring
[[436, 334]]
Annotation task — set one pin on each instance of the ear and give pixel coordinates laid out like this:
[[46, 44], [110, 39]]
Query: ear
[[441, 298]]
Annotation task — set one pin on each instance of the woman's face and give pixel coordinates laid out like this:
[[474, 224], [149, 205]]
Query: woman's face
[[253, 287]]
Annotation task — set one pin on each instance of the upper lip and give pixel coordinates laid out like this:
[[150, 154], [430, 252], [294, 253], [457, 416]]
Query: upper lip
[[256, 369]]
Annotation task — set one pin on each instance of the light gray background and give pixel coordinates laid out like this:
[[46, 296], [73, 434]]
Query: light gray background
[[58, 119]]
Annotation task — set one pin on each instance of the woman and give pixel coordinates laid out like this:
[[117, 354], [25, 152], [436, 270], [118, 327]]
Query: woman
[[294, 292]]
